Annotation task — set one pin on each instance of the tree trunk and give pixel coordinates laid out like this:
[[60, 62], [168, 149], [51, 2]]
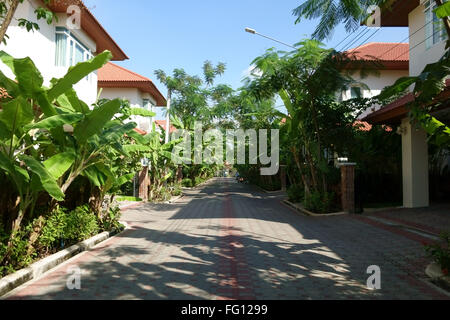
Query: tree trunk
[[96, 202], [300, 168], [8, 18]]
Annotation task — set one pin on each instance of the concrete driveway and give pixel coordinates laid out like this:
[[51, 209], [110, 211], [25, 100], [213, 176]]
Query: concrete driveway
[[230, 241]]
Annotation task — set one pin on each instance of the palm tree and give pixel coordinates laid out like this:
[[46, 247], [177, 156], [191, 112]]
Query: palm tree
[[350, 12], [306, 80]]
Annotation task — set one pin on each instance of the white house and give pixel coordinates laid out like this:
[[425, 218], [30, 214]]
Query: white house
[[56, 47], [386, 62], [117, 82], [427, 45]]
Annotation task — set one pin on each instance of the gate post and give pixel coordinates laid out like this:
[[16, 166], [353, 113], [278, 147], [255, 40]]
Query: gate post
[[180, 174], [144, 183], [283, 178], [348, 186]]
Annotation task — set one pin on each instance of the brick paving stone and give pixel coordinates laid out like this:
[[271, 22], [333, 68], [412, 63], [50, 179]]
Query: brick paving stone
[[227, 241]]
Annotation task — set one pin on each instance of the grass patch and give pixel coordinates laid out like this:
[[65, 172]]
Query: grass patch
[[126, 198]]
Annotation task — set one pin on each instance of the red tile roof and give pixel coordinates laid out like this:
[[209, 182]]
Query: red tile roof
[[384, 51], [4, 94], [162, 124], [367, 127], [390, 55], [114, 76], [140, 131]]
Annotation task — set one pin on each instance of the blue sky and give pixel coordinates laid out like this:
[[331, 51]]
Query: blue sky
[[183, 34]]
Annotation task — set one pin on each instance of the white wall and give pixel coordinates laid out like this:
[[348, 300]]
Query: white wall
[[135, 97], [375, 83], [420, 56], [40, 47]]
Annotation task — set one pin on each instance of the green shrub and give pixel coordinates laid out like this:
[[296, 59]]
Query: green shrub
[[319, 203], [81, 225], [66, 228], [176, 191], [187, 183], [165, 194], [111, 220], [296, 193], [440, 252], [19, 256], [54, 230], [198, 181], [127, 198]]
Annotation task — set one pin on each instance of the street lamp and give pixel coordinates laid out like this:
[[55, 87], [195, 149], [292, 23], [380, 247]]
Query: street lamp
[[169, 100], [253, 31]]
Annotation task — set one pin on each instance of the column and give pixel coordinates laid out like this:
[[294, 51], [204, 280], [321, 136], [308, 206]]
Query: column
[[416, 192]]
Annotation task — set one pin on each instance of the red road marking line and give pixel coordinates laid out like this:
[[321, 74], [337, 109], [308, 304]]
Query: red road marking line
[[404, 233], [233, 263]]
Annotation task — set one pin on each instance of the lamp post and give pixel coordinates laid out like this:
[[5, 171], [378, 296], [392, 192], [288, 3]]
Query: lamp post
[[169, 96], [253, 31]]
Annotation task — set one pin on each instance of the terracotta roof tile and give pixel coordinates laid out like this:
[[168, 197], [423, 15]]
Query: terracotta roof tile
[[113, 72], [114, 76], [4, 94], [162, 124], [383, 51]]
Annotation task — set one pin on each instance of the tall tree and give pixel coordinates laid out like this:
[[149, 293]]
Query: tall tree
[[350, 12], [191, 94], [307, 81], [8, 9]]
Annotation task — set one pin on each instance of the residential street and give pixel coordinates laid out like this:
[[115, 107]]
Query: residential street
[[230, 241]]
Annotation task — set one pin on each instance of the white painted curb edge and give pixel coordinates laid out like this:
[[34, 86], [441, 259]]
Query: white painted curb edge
[[37, 269]]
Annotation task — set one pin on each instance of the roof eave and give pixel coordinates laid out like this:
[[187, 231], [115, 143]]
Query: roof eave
[[395, 13], [397, 110], [381, 65], [143, 86], [92, 27]]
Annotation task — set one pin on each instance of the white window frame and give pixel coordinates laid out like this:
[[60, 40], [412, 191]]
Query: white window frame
[[71, 44], [361, 93], [432, 28]]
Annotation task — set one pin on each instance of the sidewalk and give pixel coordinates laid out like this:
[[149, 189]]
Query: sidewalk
[[434, 220]]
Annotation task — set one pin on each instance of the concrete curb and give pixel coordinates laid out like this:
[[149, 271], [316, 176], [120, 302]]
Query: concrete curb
[[37, 269], [376, 210], [311, 214], [132, 206], [434, 271], [175, 199], [199, 186], [266, 191]]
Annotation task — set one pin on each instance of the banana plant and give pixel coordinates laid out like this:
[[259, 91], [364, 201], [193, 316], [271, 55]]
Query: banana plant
[[37, 152], [159, 156], [109, 174]]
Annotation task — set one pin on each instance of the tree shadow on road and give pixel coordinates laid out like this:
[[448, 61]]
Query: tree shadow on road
[[264, 252]]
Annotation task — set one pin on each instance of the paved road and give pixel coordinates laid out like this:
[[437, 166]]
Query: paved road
[[230, 241]]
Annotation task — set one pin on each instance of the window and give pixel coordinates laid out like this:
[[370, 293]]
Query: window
[[435, 31], [355, 92], [61, 49], [147, 105], [69, 50]]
